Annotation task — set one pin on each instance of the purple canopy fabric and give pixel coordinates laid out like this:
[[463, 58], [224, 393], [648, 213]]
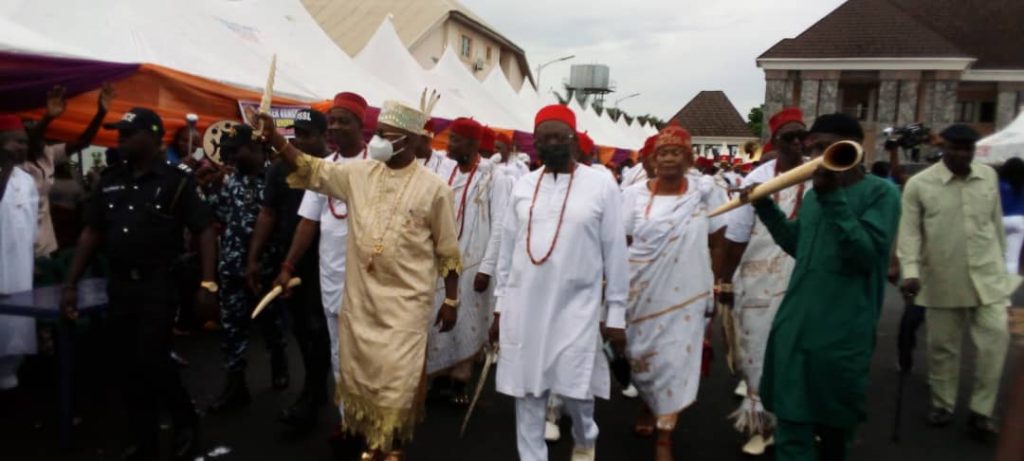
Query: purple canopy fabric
[[25, 79]]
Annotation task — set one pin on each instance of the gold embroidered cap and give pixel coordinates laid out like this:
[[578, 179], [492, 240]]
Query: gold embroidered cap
[[401, 116]]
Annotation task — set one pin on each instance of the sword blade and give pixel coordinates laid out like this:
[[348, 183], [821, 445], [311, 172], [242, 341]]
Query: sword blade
[[488, 361]]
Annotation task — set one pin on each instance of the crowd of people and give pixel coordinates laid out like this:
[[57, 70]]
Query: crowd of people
[[414, 265]]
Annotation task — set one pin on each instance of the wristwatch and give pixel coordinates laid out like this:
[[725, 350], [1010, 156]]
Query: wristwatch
[[452, 303], [210, 286]]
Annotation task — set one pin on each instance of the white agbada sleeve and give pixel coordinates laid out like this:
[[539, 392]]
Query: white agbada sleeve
[[628, 202], [714, 196], [312, 206], [509, 231], [614, 253], [501, 191]]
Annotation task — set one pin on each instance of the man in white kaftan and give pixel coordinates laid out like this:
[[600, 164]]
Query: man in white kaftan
[[562, 236], [481, 194], [439, 163], [19, 210], [332, 215], [762, 274]]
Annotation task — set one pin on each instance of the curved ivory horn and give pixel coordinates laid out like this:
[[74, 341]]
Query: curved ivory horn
[[274, 293], [840, 156]]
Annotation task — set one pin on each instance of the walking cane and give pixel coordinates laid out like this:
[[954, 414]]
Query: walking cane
[[913, 317]]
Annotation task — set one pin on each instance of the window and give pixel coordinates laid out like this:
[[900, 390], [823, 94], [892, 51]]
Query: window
[[987, 112], [488, 54], [467, 46], [965, 111]]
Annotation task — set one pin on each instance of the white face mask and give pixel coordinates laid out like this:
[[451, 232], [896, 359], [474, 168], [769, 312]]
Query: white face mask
[[381, 149]]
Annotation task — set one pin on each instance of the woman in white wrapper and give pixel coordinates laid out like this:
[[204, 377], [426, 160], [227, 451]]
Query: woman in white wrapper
[[671, 282]]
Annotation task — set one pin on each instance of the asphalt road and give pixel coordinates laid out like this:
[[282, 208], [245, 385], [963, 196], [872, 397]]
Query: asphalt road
[[27, 418]]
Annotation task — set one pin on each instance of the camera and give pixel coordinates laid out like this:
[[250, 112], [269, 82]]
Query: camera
[[908, 136]]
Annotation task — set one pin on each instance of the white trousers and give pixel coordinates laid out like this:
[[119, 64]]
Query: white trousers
[[530, 418], [332, 331], [1014, 226]]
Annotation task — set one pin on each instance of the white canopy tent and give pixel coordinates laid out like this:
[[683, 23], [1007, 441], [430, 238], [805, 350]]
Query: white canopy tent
[[1002, 145], [450, 77], [230, 42], [497, 85]]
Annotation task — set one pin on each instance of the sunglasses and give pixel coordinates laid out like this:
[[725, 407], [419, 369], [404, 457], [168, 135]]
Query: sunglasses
[[793, 136]]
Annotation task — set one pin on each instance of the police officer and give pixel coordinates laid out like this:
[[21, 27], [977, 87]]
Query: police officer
[[137, 215]]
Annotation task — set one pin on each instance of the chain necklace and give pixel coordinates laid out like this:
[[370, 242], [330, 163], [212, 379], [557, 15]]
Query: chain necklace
[[684, 185], [561, 216], [392, 211], [460, 216], [799, 194], [330, 200]]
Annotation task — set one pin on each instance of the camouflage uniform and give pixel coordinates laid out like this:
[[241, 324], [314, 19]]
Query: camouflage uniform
[[236, 207]]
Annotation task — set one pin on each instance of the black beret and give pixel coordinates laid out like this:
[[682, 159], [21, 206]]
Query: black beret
[[838, 124], [960, 133]]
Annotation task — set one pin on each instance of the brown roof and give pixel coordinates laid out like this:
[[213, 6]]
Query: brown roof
[[866, 29], [989, 30], [710, 113]]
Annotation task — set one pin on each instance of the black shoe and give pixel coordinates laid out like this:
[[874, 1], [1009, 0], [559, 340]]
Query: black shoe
[[302, 414], [185, 442], [235, 394], [345, 446], [939, 417], [982, 427], [136, 453], [279, 371], [460, 395]]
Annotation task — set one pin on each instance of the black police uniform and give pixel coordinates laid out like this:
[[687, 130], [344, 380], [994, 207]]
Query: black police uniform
[[305, 305], [142, 220]]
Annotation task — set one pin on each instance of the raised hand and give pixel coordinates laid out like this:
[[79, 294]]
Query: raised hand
[[107, 94], [55, 102]]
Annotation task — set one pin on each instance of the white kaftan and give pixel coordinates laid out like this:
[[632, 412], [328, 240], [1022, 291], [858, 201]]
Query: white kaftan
[[478, 213], [18, 227], [439, 164], [759, 285], [635, 174], [671, 289], [332, 214], [550, 313], [513, 168]]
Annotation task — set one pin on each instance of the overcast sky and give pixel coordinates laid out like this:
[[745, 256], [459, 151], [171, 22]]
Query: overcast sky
[[666, 50]]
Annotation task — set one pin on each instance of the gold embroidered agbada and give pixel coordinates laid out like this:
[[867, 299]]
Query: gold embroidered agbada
[[401, 238]]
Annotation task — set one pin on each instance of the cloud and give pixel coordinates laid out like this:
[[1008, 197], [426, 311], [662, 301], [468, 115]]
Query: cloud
[[666, 50]]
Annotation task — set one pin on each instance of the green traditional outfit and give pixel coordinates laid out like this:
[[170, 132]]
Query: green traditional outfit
[[819, 350]]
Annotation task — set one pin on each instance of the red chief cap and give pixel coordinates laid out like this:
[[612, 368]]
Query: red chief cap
[[487, 140], [648, 146], [10, 122], [558, 113], [586, 144], [672, 135], [468, 128], [705, 162], [784, 116], [353, 103]]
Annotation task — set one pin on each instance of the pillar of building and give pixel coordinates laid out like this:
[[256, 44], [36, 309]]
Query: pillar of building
[[778, 93], [888, 96], [1007, 102], [809, 99]]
